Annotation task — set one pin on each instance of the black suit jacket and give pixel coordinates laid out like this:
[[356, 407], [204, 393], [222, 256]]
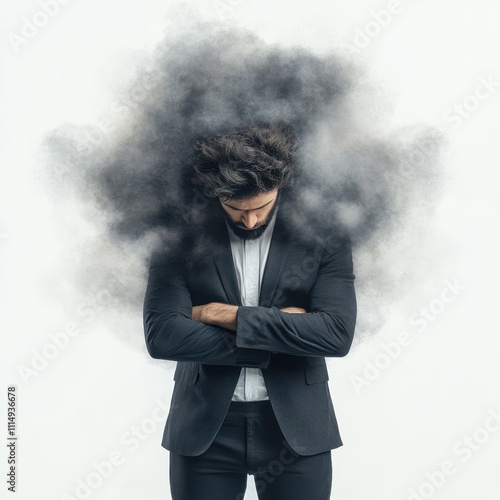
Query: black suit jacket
[[316, 274]]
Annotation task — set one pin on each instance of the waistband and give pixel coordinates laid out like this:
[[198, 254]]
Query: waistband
[[250, 408]]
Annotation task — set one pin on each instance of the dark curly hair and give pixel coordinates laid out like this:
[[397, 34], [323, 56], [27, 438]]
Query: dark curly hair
[[250, 161]]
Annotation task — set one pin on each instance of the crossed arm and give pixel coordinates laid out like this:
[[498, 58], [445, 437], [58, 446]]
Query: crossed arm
[[225, 315], [225, 334]]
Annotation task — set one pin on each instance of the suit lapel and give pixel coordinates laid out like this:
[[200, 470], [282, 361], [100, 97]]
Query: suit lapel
[[223, 259], [275, 262]]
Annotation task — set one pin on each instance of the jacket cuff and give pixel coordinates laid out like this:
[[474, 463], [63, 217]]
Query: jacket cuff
[[253, 358], [250, 329]]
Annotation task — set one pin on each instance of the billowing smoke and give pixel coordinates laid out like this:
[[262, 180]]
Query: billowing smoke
[[131, 171]]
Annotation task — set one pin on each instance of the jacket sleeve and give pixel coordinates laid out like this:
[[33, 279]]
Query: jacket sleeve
[[327, 330], [171, 333]]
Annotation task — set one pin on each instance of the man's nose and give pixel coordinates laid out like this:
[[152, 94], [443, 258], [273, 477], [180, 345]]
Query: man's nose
[[249, 220]]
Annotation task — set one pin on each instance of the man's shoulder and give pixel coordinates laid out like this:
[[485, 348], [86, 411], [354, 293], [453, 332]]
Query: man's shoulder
[[190, 244], [306, 226]]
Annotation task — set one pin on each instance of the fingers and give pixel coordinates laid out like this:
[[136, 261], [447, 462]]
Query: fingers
[[293, 310]]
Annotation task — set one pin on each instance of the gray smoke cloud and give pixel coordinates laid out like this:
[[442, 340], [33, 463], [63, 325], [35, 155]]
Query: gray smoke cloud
[[129, 171]]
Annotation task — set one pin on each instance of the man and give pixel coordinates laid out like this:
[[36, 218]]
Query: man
[[249, 304]]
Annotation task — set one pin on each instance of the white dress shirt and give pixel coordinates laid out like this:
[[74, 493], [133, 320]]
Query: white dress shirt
[[249, 257]]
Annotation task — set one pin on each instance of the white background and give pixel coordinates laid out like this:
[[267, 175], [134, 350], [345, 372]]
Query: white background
[[411, 415]]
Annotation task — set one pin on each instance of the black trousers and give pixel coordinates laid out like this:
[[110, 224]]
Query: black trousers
[[250, 442]]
